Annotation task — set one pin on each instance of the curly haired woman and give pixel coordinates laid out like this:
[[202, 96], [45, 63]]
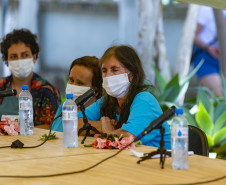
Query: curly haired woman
[[20, 52]]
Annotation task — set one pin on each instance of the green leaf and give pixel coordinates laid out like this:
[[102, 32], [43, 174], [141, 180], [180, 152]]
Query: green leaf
[[224, 83], [210, 93], [172, 90], [219, 136], [112, 137], [220, 149], [203, 119], [211, 111], [190, 103], [167, 104], [210, 141], [192, 73], [190, 118], [63, 94], [204, 99], [138, 143], [161, 83], [219, 109], [102, 135], [88, 145], [221, 121], [51, 136], [183, 90]]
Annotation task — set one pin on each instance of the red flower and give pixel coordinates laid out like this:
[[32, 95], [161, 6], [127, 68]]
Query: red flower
[[8, 127], [108, 144], [96, 135], [94, 144], [108, 141]]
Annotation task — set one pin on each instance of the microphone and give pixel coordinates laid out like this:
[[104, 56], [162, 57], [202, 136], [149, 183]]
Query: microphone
[[12, 92], [83, 98], [155, 124]]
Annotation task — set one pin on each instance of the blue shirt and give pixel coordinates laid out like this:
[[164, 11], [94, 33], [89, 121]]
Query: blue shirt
[[144, 109], [57, 124]]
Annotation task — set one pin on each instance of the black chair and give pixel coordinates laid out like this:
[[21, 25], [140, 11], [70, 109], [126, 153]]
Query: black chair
[[197, 141]]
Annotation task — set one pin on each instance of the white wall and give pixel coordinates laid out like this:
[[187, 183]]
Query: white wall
[[65, 37]]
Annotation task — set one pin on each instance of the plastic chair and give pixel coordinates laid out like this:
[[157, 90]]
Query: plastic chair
[[197, 141]]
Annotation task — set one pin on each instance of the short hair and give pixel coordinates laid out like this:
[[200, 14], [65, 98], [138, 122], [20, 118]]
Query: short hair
[[93, 63], [16, 36]]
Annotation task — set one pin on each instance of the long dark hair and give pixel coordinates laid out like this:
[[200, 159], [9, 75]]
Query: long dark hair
[[93, 63], [130, 60]]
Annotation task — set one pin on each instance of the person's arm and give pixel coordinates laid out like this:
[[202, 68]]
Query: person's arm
[[144, 109], [197, 41], [209, 48], [108, 126], [96, 124], [122, 132]]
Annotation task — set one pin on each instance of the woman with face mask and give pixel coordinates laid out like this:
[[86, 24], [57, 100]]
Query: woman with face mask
[[84, 73], [128, 106], [20, 51]]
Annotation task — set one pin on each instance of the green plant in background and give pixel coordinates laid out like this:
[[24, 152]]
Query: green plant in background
[[210, 113], [63, 94], [171, 92], [211, 118], [224, 84]]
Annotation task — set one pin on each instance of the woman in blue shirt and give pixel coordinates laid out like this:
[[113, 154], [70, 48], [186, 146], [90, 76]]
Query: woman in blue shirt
[[128, 106], [84, 73]]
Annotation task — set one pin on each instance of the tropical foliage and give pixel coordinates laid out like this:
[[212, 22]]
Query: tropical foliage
[[206, 111], [211, 118]]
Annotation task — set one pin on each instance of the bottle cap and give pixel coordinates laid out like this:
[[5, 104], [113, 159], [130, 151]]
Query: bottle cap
[[179, 111], [69, 96], [24, 87]]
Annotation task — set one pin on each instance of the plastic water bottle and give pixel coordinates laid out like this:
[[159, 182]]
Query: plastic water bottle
[[179, 141], [70, 123], [26, 112]]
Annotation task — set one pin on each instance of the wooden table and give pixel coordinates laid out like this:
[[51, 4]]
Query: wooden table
[[53, 158]]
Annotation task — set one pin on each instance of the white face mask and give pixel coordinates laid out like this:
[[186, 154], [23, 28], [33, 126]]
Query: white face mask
[[116, 85], [76, 90], [21, 68]]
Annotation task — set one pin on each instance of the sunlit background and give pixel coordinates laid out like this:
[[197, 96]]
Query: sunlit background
[[68, 29]]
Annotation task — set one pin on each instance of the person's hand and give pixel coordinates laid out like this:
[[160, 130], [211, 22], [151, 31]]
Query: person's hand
[[108, 125], [213, 51]]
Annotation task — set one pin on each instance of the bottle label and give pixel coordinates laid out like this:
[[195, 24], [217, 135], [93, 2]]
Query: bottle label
[[69, 115], [24, 105], [181, 132]]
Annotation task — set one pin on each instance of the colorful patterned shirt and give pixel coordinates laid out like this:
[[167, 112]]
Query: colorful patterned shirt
[[46, 98]]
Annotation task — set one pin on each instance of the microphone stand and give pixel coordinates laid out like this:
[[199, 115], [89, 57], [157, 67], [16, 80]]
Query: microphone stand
[[86, 125], [161, 150]]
